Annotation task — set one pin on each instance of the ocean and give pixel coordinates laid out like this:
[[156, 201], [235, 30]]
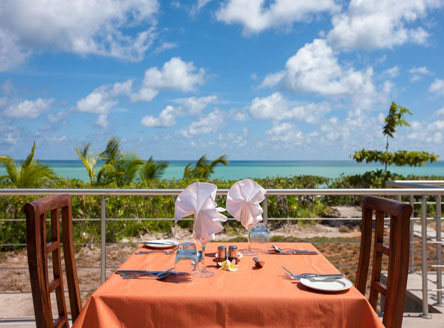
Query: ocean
[[259, 169]]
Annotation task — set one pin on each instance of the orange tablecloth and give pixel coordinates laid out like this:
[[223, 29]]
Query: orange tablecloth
[[246, 298]]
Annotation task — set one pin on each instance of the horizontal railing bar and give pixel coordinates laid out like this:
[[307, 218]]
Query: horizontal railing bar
[[423, 191], [229, 219]]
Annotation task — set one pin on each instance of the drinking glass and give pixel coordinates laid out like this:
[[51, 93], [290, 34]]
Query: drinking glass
[[259, 237], [203, 272], [249, 251], [186, 261]]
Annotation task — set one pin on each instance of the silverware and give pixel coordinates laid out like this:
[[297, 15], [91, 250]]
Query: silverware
[[313, 275], [293, 252], [135, 274]]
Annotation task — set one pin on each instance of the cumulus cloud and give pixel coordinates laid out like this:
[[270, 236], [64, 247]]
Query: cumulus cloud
[[207, 124], [277, 107], [437, 87], [256, 15], [315, 69], [391, 72], [103, 99], [286, 132], [417, 73], [373, 24], [195, 105], [83, 27], [9, 134], [175, 74], [166, 118], [28, 108]]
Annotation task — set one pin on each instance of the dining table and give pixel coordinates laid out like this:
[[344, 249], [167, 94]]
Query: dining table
[[248, 297]]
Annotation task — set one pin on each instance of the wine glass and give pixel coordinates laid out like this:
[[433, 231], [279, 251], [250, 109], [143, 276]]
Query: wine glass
[[259, 237], [203, 272], [249, 227]]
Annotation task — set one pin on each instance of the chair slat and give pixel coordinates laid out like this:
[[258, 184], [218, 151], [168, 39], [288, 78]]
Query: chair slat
[[382, 249], [61, 322], [52, 246], [54, 284], [380, 287]]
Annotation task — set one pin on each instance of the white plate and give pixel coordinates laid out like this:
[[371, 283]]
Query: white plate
[[327, 285], [161, 243]]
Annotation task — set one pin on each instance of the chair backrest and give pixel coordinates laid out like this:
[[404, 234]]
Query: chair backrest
[[38, 250], [397, 252]]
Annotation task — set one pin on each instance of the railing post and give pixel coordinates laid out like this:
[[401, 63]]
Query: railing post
[[425, 292], [103, 240], [438, 252], [412, 238], [265, 210]]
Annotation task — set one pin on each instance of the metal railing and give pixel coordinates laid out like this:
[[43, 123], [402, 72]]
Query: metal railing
[[425, 240], [413, 189]]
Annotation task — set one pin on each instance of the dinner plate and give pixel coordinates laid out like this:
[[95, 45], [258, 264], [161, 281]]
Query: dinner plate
[[161, 243], [327, 284]]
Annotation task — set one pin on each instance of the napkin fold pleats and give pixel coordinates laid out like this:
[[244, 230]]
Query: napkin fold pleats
[[199, 199], [243, 202]]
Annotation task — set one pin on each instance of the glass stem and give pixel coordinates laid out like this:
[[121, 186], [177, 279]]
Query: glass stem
[[249, 239], [204, 267]]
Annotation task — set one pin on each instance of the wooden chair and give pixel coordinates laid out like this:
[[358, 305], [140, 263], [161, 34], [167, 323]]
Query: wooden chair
[[38, 250], [397, 252]]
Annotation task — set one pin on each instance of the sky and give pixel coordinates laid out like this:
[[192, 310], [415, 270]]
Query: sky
[[253, 79]]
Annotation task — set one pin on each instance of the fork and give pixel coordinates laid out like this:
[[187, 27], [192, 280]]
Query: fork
[[312, 275]]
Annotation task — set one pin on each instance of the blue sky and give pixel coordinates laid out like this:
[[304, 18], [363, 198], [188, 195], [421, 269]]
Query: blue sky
[[253, 79]]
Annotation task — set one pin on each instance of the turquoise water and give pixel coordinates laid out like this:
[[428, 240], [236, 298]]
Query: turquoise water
[[261, 169]]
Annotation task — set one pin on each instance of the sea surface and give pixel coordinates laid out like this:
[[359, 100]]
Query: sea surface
[[259, 169]]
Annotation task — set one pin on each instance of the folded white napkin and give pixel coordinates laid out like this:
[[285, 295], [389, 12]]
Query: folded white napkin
[[199, 199], [243, 202]]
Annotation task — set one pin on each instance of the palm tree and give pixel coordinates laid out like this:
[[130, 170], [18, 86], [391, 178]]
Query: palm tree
[[203, 168], [89, 160], [151, 170], [31, 173], [118, 167]]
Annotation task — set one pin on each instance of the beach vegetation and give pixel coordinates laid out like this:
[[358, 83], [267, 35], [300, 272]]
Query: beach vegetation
[[28, 174], [151, 170], [203, 168], [394, 119]]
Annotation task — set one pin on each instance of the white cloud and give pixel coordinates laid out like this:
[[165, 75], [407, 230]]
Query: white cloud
[[373, 24], [287, 133], [198, 6], [315, 68], [28, 108], [205, 125], [417, 73], [103, 99], [257, 15], [175, 74], [195, 105], [391, 72], [9, 134], [437, 87], [440, 112], [165, 46], [277, 107], [82, 27], [166, 118], [11, 53]]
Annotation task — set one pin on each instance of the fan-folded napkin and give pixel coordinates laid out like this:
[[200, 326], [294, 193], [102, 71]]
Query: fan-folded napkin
[[199, 199], [243, 202]]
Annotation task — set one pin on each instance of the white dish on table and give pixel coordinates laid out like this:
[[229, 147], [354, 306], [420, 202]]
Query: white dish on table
[[327, 284], [161, 243]]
